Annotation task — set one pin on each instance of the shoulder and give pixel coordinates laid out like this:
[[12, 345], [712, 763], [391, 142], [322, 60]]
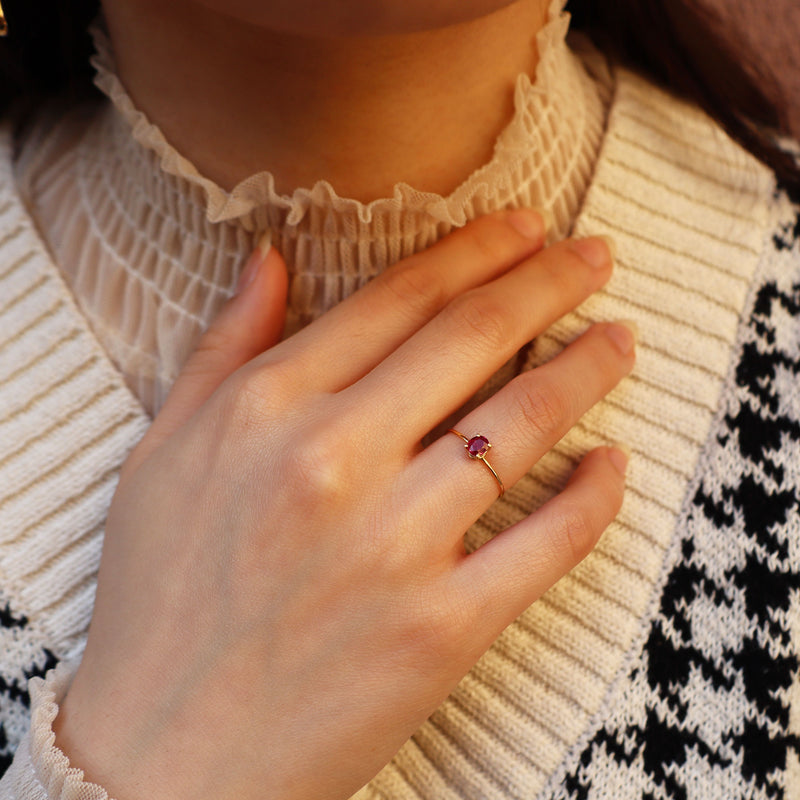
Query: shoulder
[[673, 186], [679, 147]]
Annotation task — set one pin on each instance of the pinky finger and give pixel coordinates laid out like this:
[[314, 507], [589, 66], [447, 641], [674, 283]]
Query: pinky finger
[[509, 573]]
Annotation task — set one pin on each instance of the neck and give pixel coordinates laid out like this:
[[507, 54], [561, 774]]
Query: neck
[[361, 112]]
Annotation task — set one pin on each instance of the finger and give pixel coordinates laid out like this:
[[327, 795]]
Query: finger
[[440, 367], [348, 341], [504, 577], [523, 421], [248, 324]]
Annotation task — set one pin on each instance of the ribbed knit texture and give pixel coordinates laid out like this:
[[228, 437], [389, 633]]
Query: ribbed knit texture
[[678, 235], [151, 248], [67, 421], [692, 215], [708, 706]]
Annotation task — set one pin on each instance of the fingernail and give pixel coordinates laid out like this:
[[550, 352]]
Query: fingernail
[[255, 261], [619, 455], [624, 333], [532, 224], [612, 245], [597, 251], [547, 218]]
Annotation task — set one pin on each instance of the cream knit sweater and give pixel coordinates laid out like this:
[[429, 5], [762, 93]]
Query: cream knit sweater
[[151, 248], [565, 701]]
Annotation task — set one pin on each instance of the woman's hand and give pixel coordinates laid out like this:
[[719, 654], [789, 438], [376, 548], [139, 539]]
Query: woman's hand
[[284, 595]]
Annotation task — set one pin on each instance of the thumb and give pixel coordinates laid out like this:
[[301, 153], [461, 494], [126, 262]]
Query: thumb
[[248, 324]]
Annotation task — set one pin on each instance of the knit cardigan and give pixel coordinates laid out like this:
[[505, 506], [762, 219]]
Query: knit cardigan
[[666, 664]]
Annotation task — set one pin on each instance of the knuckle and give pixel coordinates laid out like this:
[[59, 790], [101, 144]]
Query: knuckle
[[216, 343], [441, 628], [565, 279], [272, 380], [315, 465], [608, 499], [487, 236], [484, 319], [415, 289], [243, 407], [577, 531], [541, 407], [565, 274], [249, 401]]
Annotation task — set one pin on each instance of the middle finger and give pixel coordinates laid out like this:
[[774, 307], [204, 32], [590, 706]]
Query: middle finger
[[444, 363], [524, 420]]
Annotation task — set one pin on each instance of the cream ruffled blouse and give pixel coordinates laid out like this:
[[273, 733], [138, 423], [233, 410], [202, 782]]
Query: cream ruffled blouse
[[151, 248]]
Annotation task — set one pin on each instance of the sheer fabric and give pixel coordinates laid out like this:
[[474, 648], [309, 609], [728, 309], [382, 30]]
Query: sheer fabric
[[151, 248]]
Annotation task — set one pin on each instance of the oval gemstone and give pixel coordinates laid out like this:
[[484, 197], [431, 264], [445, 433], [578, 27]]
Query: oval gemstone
[[478, 447]]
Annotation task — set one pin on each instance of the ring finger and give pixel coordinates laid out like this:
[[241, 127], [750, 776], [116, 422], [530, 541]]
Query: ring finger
[[477, 333], [522, 422]]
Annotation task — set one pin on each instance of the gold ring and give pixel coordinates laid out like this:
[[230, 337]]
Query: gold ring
[[477, 447]]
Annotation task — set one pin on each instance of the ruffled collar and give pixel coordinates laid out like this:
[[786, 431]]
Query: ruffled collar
[[152, 248], [515, 153]]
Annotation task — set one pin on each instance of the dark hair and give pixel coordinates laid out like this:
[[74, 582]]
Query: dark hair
[[46, 51], [679, 43], [675, 41]]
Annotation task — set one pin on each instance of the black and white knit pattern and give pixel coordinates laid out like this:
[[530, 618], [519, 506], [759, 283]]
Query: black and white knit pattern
[[701, 709], [67, 422], [704, 712], [24, 657]]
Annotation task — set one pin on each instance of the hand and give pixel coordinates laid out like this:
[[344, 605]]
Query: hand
[[284, 594]]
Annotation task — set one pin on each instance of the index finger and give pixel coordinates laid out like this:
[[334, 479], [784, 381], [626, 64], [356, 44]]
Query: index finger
[[347, 342]]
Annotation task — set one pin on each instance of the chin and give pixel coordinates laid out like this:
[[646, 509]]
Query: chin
[[355, 17]]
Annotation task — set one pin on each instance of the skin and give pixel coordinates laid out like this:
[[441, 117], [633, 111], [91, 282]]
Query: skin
[[284, 594], [359, 110], [355, 17]]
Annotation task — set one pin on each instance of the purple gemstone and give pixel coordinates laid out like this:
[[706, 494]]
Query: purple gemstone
[[478, 447]]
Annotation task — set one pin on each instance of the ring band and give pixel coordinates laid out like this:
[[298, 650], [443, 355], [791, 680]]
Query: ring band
[[477, 447]]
